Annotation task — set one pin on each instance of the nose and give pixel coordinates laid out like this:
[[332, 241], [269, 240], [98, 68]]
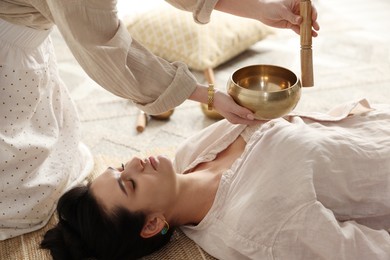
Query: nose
[[132, 167]]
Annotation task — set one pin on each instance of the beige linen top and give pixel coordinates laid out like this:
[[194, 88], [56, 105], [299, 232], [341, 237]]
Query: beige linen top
[[308, 186], [103, 47]]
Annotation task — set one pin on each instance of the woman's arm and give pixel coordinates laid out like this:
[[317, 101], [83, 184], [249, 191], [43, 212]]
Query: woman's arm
[[315, 233], [105, 50], [275, 13], [225, 105]]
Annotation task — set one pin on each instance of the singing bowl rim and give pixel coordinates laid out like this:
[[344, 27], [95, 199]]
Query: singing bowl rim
[[275, 67]]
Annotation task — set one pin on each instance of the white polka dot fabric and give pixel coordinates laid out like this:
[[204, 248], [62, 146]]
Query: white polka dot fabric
[[40, 151]]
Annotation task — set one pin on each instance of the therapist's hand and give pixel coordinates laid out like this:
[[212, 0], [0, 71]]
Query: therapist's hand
[[229, 109], [225, 106], [275, 13], [285, 14]]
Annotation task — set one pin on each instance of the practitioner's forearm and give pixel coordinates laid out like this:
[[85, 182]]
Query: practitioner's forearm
[[200, 94], [248, 9]]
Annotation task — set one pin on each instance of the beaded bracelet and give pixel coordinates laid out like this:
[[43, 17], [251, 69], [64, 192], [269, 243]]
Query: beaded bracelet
[[210, 96]]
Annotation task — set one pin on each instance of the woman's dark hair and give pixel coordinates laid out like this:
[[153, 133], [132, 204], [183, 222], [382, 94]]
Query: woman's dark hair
[[86, 230]]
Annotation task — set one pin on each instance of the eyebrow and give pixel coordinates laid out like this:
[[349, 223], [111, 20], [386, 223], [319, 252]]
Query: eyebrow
[[120, 183]]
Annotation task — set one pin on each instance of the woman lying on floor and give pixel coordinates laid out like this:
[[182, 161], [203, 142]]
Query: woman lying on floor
[[313, 186]]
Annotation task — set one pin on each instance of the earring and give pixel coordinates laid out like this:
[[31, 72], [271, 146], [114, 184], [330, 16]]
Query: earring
[[165, 228]]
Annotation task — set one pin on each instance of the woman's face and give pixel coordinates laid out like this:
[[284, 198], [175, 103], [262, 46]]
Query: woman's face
[[148, 185]]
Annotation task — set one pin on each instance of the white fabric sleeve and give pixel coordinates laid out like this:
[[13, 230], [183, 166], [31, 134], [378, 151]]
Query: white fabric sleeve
[[201, 9], [105, 50], [314, 233]]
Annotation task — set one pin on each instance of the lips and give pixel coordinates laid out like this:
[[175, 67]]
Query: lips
[[153, 162]]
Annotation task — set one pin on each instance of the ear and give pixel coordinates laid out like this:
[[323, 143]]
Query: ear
[[153, 226]]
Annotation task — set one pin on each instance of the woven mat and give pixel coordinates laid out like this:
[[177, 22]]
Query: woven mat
[[26, 247]]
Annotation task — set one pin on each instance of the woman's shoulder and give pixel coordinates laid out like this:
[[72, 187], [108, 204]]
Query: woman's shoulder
[[205, 140]]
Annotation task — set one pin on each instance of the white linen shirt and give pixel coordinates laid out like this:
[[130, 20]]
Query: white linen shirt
[[306, 187]]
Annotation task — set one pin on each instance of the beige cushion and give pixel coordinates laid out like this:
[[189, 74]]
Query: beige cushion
[[26, 247], [173, 35]]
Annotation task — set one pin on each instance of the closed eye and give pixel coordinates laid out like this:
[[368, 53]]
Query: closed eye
[[133, 184], [131, 180], [121, 186]]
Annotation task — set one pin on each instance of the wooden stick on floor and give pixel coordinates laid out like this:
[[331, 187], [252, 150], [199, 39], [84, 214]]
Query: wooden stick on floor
[[209, 75], [142, 121]]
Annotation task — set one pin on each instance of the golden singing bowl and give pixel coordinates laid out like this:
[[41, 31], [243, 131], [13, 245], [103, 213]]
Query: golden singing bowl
[[213, 114], [163, 116], [267, 90]]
